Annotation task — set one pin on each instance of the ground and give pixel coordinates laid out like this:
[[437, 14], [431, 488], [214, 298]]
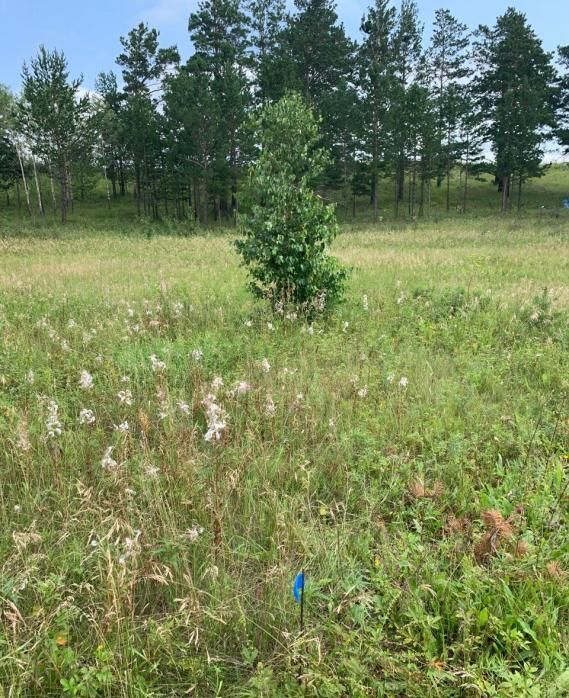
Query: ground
[[410, 453]]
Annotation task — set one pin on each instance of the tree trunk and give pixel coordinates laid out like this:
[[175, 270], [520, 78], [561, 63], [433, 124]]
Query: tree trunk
[[24, 182], [505, 181], [38, 189], [63, 191]]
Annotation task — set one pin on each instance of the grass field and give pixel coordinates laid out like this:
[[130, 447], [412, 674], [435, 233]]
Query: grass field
[[410, 453]]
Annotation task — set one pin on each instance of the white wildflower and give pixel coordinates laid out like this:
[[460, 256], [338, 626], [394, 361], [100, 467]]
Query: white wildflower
[[242, 388], [197, 354], [270, 407], [53, 425], [345, 326], [125, 397], [365, 303], [122, 427], [23, 441], [31, 377], [71, 323], [156, 363], [17, 508], [125, 379], [194, 533], [265, 366], [65, 345], [362, 392], [86, 417], [108, 462], [86, 380], [270, 326], [216, 419], [183, 407], [151, 471], [403, 382], [177, 309], [248, 323], [99, 359], [390, 377], [217, 383], [310, 330]]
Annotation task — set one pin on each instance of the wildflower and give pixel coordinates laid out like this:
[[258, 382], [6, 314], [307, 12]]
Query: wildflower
[[30, 377], [291, 317], [156, 363], [403, 382], [94, 543], [217, 383], [362, 392], [534, 317], [216, 419], [310, 330], [248, 323], [183, 407], [125, 397], [390, 377], [53, 425], [86, 417], [270, 407], [99, 359], [365, 303], [320, 302], [23, 441], [86, 380], [108, 462], [197, 354], [345, 326], [163, 402], [194, 533], [270, 326], [242, 388], [17, 508], [265, 366], [331, 424], [122, 427], [65, 345], [130, 312], [71, 323], [177, 309], [151, 471]]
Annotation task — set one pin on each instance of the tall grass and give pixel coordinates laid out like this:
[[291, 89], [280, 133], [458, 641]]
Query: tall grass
[[410, 453]]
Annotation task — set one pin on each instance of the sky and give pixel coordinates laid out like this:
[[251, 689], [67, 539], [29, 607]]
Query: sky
[[88, 32]]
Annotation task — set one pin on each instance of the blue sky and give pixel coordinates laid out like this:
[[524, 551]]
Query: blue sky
[[88, 32]]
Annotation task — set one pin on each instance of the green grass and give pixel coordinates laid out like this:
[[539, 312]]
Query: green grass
[[379, 488]]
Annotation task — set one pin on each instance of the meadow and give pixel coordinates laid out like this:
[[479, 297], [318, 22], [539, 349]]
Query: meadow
[[173, 455]]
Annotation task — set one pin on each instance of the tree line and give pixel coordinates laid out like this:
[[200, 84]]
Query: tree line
[[177, 136]]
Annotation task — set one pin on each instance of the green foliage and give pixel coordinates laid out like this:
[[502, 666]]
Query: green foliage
[[289, 231]]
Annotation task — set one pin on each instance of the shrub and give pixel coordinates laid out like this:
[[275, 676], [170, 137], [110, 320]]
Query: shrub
[[288, 232]]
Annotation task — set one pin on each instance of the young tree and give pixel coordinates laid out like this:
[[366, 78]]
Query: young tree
[[145, 67], [50, 115], [515, 98], [287, 235], [376, 83], [219, 31], [447, 63]]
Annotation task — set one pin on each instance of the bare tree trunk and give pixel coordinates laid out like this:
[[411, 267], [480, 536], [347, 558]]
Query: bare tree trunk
[[52, 186], [107, 188], [505, 192], [25, 183], [63, 191], [38, 189]]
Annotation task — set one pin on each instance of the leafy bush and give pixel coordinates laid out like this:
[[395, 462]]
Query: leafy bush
[[287, 235]]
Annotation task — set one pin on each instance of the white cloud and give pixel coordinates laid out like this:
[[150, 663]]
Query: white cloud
[[163, 12]]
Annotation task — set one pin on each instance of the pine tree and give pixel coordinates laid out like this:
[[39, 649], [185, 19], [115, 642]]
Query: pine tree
[[376, 82], [51, 115], [145, 67], [407, 51], [563, 103], [266, 21], [515, 99], [447, 62], [219, 31], [111, 130], [9, 170]]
